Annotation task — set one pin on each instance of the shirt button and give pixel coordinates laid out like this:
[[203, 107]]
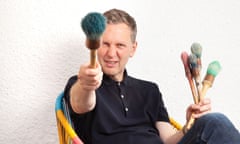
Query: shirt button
[[122, 96], [126, 109]]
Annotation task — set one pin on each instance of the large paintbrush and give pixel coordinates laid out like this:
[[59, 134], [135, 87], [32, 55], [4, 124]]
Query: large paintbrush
[[196, 75], [196, 65], [195, 70], [184, 57], [212, 71], [93, 25]]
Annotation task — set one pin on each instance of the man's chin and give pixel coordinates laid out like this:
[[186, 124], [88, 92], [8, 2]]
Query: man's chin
[[109, 72]]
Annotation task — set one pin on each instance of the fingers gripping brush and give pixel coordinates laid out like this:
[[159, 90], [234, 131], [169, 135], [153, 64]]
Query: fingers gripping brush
[[212, 71], [93, 25]]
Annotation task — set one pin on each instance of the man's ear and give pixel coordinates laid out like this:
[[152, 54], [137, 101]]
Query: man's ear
[[134, 47]]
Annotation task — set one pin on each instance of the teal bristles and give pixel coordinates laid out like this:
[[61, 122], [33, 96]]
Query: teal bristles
[[214, 68], [196, 49], [93, 25]]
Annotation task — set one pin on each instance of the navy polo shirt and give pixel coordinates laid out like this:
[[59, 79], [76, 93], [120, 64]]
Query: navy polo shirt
[[125, 113]]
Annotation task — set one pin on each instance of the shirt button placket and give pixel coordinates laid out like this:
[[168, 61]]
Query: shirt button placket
[[126, 108], [123, 100]]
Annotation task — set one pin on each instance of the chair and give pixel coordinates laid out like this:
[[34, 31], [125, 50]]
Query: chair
[[66, 132]]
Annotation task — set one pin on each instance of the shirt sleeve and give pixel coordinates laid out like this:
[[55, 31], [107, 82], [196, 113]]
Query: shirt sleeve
[[67, 89], [80, 122], [162, 114]]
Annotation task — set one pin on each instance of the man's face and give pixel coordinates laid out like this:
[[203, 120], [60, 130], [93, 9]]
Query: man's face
[[115, 50]]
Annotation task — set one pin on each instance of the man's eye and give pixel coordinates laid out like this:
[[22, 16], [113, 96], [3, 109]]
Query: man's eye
[[120, 45], [105, 44]]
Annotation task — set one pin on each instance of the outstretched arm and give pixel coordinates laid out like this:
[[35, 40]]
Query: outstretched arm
[[82, 93]]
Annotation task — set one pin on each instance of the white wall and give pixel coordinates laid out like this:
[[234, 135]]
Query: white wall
[[42, 45]]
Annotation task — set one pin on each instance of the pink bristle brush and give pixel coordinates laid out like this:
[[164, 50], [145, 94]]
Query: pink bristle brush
[[188, 73], [184, 57]]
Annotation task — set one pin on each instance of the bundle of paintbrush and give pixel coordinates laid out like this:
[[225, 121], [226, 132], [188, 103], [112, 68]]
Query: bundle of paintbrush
[[193, 65]]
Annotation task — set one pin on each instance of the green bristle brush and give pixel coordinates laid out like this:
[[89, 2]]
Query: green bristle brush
[[93, 25], [212, 71]]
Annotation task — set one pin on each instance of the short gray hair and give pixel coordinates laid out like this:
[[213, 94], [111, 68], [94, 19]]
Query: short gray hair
[[116, 16]]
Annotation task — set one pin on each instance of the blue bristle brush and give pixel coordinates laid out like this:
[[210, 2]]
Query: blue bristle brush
[[93, 25], [196, 63], [192, 58]]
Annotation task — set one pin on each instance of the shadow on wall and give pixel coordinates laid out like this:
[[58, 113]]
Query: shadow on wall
[[61, 62]]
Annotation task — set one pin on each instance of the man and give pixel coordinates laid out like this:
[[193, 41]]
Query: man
[[108, 106]]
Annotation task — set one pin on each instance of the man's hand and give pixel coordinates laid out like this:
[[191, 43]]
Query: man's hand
[[82, 94], [90, 78], [200, 109]]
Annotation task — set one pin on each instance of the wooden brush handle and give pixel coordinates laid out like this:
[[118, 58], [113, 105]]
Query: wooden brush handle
[[93, 58], [193, 90], [93, 45], [207, 83], [198, 83], [190, 122], [196, 100], [206, 86]]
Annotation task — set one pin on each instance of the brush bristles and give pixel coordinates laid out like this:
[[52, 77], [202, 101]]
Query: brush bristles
[[93, 25], [193, 61], [196, 49], [184, 57], [214, 68]]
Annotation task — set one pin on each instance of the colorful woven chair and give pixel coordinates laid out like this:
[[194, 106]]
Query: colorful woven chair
[[66, 132]]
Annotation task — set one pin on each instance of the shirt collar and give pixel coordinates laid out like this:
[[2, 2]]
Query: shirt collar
[[109, 81]]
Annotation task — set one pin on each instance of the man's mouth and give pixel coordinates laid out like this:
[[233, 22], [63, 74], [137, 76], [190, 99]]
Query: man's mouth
[[110, 63]]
